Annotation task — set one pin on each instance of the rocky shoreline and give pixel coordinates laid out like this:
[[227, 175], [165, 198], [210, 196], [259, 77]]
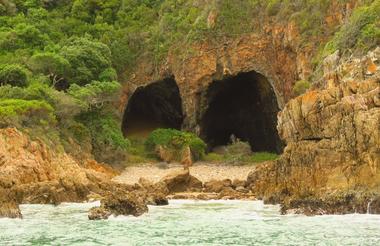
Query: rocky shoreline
[[123, 199]]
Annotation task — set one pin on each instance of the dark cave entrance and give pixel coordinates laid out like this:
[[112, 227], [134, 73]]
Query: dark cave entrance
[[246, 106], [157, 105]]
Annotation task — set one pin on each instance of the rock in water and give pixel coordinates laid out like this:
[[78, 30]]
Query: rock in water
[[10, 210], [98, 213], [8, 207], [119, 203]]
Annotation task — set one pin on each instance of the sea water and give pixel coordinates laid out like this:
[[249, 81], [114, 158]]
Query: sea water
[[188, 223]]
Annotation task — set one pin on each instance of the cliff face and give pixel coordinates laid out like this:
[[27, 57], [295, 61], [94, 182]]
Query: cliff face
[[30, 172], [333, 138], [277, 50]]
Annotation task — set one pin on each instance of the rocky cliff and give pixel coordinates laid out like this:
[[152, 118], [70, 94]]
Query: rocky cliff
[[332, 160], [30, 172], [275, 48]]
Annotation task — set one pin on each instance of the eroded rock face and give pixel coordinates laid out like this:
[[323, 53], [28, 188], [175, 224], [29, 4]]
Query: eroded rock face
[[33, 173], [275, 48], [333, 139]]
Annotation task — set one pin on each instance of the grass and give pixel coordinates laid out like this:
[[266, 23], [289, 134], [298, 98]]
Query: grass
[[254, 158]]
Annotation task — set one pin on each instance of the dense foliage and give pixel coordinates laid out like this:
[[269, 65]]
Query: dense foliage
[[61, 60]]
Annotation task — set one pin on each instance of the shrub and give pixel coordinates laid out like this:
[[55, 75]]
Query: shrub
[[25, 112], [95, 94], [361, 32], [213, 157], [300, 87], [239, 148], [108, 142], [14, 75], [176, 140], [108, 75]]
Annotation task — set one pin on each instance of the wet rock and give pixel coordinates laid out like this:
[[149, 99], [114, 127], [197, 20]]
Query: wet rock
[[9, 207], [99, 213], [118, 203], [340, 202], [207, 196], [157, 199]]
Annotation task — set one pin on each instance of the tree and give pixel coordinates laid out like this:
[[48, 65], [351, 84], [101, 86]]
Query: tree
[[14, 75], [53, 65], [87, 58], [95, 94]]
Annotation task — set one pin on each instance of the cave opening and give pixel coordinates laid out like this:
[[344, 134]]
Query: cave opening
[[157, 105], [244, 106]]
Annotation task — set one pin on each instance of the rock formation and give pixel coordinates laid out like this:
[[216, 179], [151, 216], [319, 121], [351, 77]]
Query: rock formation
[[332, 160], [275, 49], [31, 172], [117, 203]]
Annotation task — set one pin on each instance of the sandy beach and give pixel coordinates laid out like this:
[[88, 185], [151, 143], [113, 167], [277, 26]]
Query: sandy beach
[[203, 171]]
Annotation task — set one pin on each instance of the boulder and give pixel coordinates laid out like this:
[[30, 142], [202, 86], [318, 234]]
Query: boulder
[[99, 213], [194, 184], [180, 181], [237, 182], [217, 185], [118, 203], [227, 193], [157, 199]]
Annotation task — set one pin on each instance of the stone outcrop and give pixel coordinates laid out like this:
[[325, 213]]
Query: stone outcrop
[[117, 203], [333, 138], [31, 172]]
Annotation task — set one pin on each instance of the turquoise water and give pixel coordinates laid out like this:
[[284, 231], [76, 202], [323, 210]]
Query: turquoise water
[[188, 223]]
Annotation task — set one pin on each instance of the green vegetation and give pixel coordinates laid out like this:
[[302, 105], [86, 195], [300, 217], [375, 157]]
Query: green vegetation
[[13, 74], [23, 112], [176, 140], [361, 32], [238, 153], [232, 159], [300, 87]]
